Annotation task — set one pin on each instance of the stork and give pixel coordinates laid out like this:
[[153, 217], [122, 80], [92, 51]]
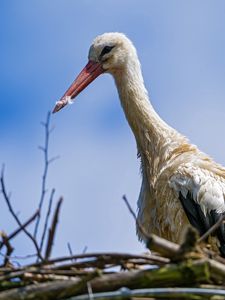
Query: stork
[[180, 184]]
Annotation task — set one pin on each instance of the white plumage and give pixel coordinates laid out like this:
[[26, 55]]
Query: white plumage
[[180, 184]]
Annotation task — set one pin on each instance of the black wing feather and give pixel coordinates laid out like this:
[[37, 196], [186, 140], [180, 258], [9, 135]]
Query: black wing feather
[[203, 222]]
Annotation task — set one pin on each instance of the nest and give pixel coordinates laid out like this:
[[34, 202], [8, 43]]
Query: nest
[[171, 271]]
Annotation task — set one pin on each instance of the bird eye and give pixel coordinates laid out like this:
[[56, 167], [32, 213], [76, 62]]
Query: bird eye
[[106, 50]]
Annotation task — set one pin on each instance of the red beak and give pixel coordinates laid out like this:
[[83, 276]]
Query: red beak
[[91, 71]]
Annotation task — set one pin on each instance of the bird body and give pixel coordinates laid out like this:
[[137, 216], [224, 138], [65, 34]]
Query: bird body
[[180, 184]]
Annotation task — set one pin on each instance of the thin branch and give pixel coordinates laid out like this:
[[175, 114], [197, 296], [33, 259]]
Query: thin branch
[[9, 249], [85, 249], [212, 229], [20, 256], [45, 172], [7, 199], [51, 160], [70, 249], [155, 243], [47, 218], [19, 229], [103, 256], [52, 230], [140, 227]]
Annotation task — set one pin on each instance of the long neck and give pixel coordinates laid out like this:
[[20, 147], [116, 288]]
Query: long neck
[[150, 131]]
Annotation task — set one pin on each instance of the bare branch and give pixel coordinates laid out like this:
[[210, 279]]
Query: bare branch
[[7, 199], [104, 256], [163, 246], [47, 218], [41, 148], [70, 249], [9, 249], [19, 229], [212, 229], [140, 227], [85, 249], [45, 172], [20, 257], [52, 230], [53, 159]]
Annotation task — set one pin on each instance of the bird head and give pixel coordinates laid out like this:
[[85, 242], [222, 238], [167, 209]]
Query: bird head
[[109, 53]]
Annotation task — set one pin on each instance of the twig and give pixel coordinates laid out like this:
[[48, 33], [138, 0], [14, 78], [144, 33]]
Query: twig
[[6, 197], [103, 263], [20, 256], [214, 255], [164, 247], [70, 249], [140, 227], [47, 218], [58, 289], [52, 230], [118, 256], [212, 229], [29, 276], [19, 229], [85, 249], [9, 249], [45, 172]]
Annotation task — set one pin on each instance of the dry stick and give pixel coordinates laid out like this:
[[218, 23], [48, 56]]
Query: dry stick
[[70, 271], [19, 256], [47, 218], [85, 249], [19, 229], [146, 235], [7, 238], [156, 241], [52, 230], [58, 289], [103, 263], [150, 238], [9, 249], [46, 165], [119, 256], [6, 197], [70, 249], [212, 229], [153, 242], [215, 256]]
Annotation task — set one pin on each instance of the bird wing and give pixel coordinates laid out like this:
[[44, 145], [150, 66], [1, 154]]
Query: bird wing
[[201, 194]]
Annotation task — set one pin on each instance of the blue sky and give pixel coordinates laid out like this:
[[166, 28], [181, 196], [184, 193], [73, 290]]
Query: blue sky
[[44, 45]]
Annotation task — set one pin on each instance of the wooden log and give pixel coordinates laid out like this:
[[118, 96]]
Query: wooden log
[[217, 271], [184, 274], [6, 285], [162, 246]]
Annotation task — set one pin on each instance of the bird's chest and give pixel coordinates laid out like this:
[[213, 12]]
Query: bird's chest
[[161, 212]]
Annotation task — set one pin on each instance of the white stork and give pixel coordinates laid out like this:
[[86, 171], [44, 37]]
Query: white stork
[[180, 184]]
